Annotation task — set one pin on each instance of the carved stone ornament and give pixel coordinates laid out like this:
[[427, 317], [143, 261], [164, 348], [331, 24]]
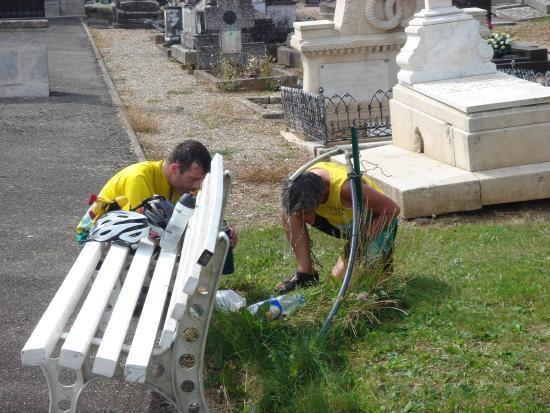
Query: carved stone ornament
[[447, 50], [393, 10]]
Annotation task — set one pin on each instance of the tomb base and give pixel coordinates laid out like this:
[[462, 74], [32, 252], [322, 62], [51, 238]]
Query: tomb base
[[474, 123], [424, 187]]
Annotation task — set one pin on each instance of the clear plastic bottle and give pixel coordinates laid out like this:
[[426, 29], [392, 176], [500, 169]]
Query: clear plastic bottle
[[178, 222], [276, 307]]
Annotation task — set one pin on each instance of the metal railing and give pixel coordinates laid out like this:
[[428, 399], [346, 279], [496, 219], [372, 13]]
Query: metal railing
[[329, 119], [529, 74]]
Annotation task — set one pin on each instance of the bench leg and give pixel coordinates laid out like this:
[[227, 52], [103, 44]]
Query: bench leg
[[63, 397], [177, 373]]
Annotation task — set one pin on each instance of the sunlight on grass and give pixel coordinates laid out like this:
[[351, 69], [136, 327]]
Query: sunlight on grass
[[467, 328]]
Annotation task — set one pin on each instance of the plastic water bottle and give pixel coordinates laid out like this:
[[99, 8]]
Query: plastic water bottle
[[276, 307], [229, 300], [178, 222]]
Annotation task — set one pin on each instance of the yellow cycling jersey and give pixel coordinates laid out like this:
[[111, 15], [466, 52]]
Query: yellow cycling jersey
[[333, 210], [138, 182], [129, 188]]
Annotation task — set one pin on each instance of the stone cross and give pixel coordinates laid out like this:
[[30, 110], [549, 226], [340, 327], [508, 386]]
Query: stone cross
[[230, 15]]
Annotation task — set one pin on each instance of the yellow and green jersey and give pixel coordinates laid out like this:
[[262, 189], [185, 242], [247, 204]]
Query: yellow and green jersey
[[333, 210]]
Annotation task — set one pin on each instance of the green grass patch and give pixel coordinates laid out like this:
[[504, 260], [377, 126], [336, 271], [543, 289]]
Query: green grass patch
[[461, 325], [541, 20], [226, 152], [174, 92]]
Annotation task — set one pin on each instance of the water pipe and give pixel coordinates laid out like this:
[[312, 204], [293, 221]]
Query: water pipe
[[354, 175]]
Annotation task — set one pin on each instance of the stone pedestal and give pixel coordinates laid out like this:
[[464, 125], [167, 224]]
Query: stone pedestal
[[23, 58], [356, 52], [443, 43]]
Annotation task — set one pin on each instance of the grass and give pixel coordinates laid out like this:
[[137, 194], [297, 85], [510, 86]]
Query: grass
[[471, 334], [226, 152], [185, 91], [265, 173], [140, 120], [100, 41]]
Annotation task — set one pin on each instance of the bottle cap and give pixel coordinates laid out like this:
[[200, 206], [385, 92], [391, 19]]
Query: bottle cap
[[188, 200]]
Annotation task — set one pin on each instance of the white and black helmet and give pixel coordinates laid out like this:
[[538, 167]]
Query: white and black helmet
[[123, 227]]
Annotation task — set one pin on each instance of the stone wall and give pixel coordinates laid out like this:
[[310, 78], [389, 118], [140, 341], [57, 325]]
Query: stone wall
[[23, 58]]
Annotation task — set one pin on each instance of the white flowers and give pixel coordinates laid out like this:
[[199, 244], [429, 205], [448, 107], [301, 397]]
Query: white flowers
[[500, 42]]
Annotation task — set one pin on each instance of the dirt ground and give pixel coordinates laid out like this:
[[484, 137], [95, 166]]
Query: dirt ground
[[538, 33]]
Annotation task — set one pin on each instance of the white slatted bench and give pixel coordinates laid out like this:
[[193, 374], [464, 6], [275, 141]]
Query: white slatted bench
[[167, 358]]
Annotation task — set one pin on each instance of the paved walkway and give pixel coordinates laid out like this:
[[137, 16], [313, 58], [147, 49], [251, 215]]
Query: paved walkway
[[55, 152]]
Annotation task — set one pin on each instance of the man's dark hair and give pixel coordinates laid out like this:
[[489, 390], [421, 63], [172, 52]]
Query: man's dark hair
[[188, 152], [301, 193]]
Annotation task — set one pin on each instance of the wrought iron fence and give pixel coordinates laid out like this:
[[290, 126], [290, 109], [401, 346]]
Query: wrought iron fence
[[529, 74], [304, 112], [328, 119]]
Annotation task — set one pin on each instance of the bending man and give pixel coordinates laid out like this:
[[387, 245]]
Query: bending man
[[181, 172], [321, 198]]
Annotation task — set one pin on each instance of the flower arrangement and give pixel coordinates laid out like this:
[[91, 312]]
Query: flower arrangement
[[501, 43]]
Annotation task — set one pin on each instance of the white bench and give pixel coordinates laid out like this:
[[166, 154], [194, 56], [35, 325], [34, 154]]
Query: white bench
[[167, 358]]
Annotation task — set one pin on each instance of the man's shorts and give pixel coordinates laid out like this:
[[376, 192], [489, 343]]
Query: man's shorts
[[372, 250]]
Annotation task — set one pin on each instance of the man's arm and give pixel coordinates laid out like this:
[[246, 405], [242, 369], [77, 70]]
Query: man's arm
[[381, 207], [298, 237]]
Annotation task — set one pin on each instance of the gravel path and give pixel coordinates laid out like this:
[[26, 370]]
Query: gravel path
[[178, 106]]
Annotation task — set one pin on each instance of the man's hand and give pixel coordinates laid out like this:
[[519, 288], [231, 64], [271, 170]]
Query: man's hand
[[233, 236]]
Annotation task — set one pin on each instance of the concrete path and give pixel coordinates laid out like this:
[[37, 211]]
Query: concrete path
[[55, 152]]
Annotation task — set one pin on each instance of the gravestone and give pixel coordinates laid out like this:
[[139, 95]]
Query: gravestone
[[355, 53], [464, 135], [133, 13], [273, 20], [212, 30]]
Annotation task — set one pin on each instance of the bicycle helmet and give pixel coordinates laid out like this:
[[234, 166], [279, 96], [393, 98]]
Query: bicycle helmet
[[123, 227], [158, 211]]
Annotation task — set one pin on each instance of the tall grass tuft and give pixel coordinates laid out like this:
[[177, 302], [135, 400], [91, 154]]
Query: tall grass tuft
[[140, 120]]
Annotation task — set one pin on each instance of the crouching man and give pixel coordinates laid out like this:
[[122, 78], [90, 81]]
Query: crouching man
[[321, 198]]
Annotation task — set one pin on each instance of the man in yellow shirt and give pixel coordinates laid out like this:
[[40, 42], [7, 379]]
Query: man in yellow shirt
[[181, 172], [321, 198]]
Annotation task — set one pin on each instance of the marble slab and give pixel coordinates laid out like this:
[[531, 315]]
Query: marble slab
[[485, 92], [360, 79], [425, 187]]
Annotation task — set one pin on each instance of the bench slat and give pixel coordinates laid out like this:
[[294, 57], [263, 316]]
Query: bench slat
[[146, 331], [73, 351], [43, 339], [213, 212], [107, 355], [189, 270], [169, 328]]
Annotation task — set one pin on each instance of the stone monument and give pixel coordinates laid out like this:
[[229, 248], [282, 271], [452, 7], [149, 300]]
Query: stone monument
[[464, 135], [212, 30], [23, 58], [356, 51]]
